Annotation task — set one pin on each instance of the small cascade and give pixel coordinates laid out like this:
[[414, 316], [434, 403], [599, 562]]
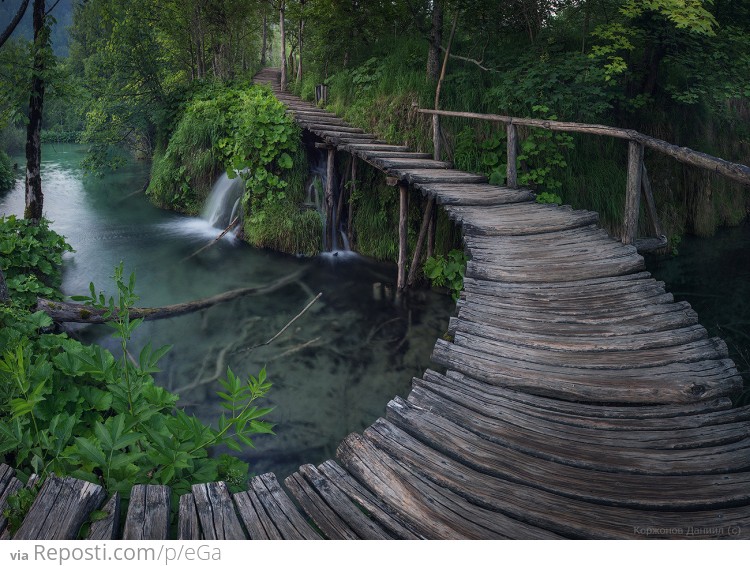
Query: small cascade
[[224, 202], [223, 205], [335, 234]]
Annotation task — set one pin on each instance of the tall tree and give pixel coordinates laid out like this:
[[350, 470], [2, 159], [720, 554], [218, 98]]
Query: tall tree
[[435, 41], [40, 53]]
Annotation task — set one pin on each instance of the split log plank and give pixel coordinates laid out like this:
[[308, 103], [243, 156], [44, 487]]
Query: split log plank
[[188, 524], [216, 513], [60, 508], [257, 522], [108, 527], [148, 513]]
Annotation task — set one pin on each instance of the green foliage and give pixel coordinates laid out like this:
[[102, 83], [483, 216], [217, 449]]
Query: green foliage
[[7, 175], [77, 410], [285, 227], [548, 198], [541, 153], [447, 271], [30, 255], [238, 129]]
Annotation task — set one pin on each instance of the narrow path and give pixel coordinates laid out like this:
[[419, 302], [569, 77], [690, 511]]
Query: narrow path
[[578, 400]]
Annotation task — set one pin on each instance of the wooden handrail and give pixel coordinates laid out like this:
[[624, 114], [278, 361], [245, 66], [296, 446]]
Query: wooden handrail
[[734, 171]]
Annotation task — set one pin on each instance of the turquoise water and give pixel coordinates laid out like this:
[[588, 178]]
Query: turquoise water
[[713, 275], [333, 370]]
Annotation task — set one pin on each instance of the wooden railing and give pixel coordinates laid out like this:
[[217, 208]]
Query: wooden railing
[[637, 181]]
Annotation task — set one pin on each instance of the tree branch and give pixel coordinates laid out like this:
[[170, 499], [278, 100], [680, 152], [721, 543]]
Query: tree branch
[[76, 312], [470, 60], [14, 22]]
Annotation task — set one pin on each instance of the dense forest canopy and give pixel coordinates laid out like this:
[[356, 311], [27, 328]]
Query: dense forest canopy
[[677, 69]]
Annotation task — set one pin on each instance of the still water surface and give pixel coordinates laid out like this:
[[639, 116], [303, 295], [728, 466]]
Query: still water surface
[[713, 275], [333, 370]]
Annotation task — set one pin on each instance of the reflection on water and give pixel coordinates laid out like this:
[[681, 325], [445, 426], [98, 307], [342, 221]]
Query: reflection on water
[[713, 275], [333, 370]]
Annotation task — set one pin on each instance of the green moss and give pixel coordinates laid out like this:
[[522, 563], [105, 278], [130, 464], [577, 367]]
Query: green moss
[[285, 227]]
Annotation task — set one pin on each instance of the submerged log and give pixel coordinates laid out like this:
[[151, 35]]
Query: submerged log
[[75, 312]]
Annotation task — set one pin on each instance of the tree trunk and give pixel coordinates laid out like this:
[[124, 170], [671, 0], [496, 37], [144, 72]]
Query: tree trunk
[[282, 10], [436, 40], [264, 43], [34, 196], [299, 54]]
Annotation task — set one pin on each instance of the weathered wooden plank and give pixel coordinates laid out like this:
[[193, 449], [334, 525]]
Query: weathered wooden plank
[[337, 500], [108, 527], [216, 512], [326, 519], [392, 163], [363, 147], [437, 176], [565, 516], [60, 508], [367, 501], [489, 401], [628, 343], [631, 412], [575, 433], [280, 509], [369, 155], [148, 513], [257, 522], [188, 524], [519, 219], [675, 383], [473, 194], [9, 484], [441, 513], [670, 492]]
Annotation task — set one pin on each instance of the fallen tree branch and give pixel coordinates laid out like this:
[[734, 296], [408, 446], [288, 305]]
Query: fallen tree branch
[[232, 224], [76, 312], [287, 325]]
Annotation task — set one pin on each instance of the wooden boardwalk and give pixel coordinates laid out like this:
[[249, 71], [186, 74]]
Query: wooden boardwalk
[[578, 401]]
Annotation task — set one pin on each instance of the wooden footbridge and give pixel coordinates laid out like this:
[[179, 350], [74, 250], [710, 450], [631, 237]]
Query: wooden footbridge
[[579, 400]]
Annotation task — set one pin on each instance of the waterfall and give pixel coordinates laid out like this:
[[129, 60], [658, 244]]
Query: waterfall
[[335, 233], [223, 205], [224, 202]]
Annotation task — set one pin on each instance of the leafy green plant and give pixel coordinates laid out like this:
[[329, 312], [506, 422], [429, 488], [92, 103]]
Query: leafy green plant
[[447, 271], [548, 198], [77, 410], [29, 257], [541, 153]]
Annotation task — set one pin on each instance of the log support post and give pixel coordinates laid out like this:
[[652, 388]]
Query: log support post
[[431, 233], [511, 171], [352, 187], [402, 234], [426, 221], [330, 171], [633, 192], [648, 195], [436, 149]]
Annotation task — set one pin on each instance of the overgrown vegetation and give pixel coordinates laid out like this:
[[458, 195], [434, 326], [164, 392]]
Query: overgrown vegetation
[[77, 410], [447, 271]]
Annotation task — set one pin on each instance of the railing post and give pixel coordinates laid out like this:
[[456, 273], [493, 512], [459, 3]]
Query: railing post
[[511, 171], [633, 192], [402, 235], [436, 151]]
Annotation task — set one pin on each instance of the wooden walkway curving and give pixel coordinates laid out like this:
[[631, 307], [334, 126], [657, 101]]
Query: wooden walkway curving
[[579, 401]]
